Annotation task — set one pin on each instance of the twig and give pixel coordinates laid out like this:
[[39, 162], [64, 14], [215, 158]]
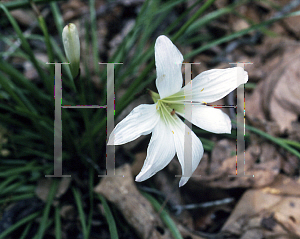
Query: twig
[[179, 208]]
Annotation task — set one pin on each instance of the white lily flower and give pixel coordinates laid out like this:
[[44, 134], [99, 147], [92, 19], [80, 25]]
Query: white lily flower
[[161, 119]]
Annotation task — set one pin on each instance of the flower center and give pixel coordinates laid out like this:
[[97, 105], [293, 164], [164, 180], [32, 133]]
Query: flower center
[[165, 111], [168, 106]]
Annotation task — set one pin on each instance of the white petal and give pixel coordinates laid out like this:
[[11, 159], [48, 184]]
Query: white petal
[[212, 85], [168, 60], [197, 149], [210, 119], [160, 152], [140, 121]]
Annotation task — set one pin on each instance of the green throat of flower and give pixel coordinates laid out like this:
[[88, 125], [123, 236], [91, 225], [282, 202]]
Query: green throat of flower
[[167, 107]]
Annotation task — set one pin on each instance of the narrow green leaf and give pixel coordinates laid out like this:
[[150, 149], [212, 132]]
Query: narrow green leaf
[[45, 218], [57, 224], [47, 225], [50, 54], [29, 167], [192, 19], [17, 198], [58, 19], [22, 4], [11, 90], [238, 34], [21, 81], [91, 197], [212, 15], [273, 139], [18, 224], [11, 188], [26, 230], [164, 216], [93, 30], [80, 212], [27, 48], [6, 182], [291, 142], [109, 217]]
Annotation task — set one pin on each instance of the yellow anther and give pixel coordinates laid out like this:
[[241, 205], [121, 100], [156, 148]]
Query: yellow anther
[[202, 89]]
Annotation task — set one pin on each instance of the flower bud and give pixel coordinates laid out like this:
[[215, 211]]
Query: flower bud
[[72, 47]]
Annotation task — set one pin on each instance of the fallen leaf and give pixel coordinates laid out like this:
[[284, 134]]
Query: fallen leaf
[[137, 210], [277, 97], [44, 185], [267, 212]]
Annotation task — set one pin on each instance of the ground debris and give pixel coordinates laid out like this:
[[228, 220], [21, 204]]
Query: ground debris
[[136, 209], [267, 212]]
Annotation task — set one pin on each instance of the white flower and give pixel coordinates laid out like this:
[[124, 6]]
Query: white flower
[[161, 119], [72, 47]]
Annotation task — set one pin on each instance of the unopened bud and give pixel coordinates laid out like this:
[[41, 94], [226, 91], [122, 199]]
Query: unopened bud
[[72, 47]]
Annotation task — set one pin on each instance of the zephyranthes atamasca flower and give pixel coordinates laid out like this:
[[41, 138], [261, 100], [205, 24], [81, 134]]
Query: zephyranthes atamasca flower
[[161, 119]]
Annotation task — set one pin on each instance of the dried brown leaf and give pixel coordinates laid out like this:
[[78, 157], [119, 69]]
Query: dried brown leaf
[[267, 212], [277, 98], [137, 211], [44, 185]]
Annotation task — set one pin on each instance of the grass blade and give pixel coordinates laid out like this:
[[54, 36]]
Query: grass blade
[[26, 230], [45, 219], [57, 224], [27, 48], [14, 227], [164, 216], [80, 212], [109, 217], [94, 35], [59, 22]]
